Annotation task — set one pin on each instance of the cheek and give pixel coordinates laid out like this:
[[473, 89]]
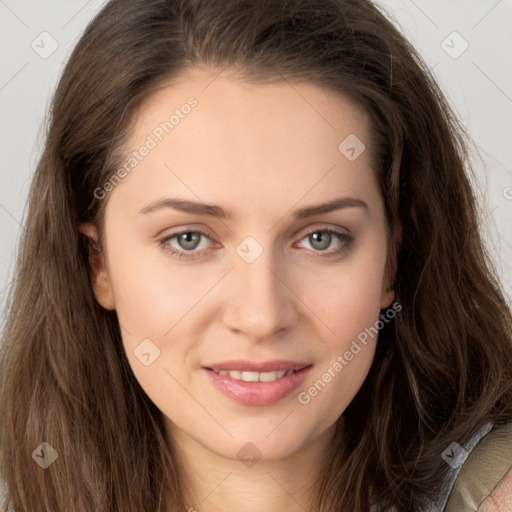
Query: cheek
[[348, 299], [158, 304], [152, 292], [350, 307], [156, 300]]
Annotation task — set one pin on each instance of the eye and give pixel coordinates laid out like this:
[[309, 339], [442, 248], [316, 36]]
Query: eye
[[321, 239], [188, 241]]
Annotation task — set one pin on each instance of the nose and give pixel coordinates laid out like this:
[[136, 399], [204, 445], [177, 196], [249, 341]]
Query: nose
[[261, 301]]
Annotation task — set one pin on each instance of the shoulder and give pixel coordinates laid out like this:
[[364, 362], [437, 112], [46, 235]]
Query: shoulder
[[500, 498], [484, 482]]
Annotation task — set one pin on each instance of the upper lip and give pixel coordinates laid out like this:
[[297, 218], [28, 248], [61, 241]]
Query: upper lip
[[257, 366]]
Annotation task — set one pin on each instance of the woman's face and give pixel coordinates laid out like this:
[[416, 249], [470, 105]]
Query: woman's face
[[266, 279]]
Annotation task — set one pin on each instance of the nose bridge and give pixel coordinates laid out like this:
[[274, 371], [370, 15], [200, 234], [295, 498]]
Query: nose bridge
[[261, 303]]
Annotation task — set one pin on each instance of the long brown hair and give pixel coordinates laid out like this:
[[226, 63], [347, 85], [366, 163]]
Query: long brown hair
[[443, 367]]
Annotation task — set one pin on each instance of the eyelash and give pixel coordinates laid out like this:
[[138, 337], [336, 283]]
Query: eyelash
[[343, 237]]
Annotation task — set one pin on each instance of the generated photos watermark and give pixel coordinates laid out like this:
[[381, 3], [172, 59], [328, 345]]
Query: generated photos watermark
[[304, 397], [156, 136]]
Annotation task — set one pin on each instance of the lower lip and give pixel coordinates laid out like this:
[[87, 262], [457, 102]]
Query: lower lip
[[257, 393]]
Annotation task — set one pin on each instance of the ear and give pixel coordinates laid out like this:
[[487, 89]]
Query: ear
[[98, 269], [388, 290]]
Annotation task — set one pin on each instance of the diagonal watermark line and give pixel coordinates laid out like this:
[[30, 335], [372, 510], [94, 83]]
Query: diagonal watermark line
[[165, 165], [12, 216], [214, 78], [424, 14], [481, 149], [486, 14], [489, 214], [216, 486], [286, 491], [300, 199], [492, 81], [4, 289], [301, 300], [123, 327], [199, 403], [14, 76], [307, 102], [280, 423], [206, 293], [12, 12], [76, 14]]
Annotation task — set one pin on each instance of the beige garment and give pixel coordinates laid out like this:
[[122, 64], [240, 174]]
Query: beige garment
[[485, 466]]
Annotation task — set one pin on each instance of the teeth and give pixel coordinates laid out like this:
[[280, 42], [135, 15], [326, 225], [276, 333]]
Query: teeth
[[250, 376], [255, 376]]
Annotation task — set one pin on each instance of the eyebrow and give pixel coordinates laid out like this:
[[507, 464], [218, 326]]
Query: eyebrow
[[218, 212]]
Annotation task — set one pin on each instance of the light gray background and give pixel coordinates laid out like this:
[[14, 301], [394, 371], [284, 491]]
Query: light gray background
[[478, 84]]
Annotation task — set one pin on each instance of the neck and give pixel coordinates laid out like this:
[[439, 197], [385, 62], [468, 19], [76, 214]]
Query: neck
[[217, 484]]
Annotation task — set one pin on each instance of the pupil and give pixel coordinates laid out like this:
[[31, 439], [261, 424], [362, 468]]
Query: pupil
[[317, 237], [187, 240]]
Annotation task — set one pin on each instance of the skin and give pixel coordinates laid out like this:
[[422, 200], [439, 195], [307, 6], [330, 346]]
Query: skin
[[260, 152], [500, 499]]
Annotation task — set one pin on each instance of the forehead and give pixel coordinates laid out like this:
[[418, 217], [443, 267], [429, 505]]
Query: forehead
[[226, 100], [224, 139]]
